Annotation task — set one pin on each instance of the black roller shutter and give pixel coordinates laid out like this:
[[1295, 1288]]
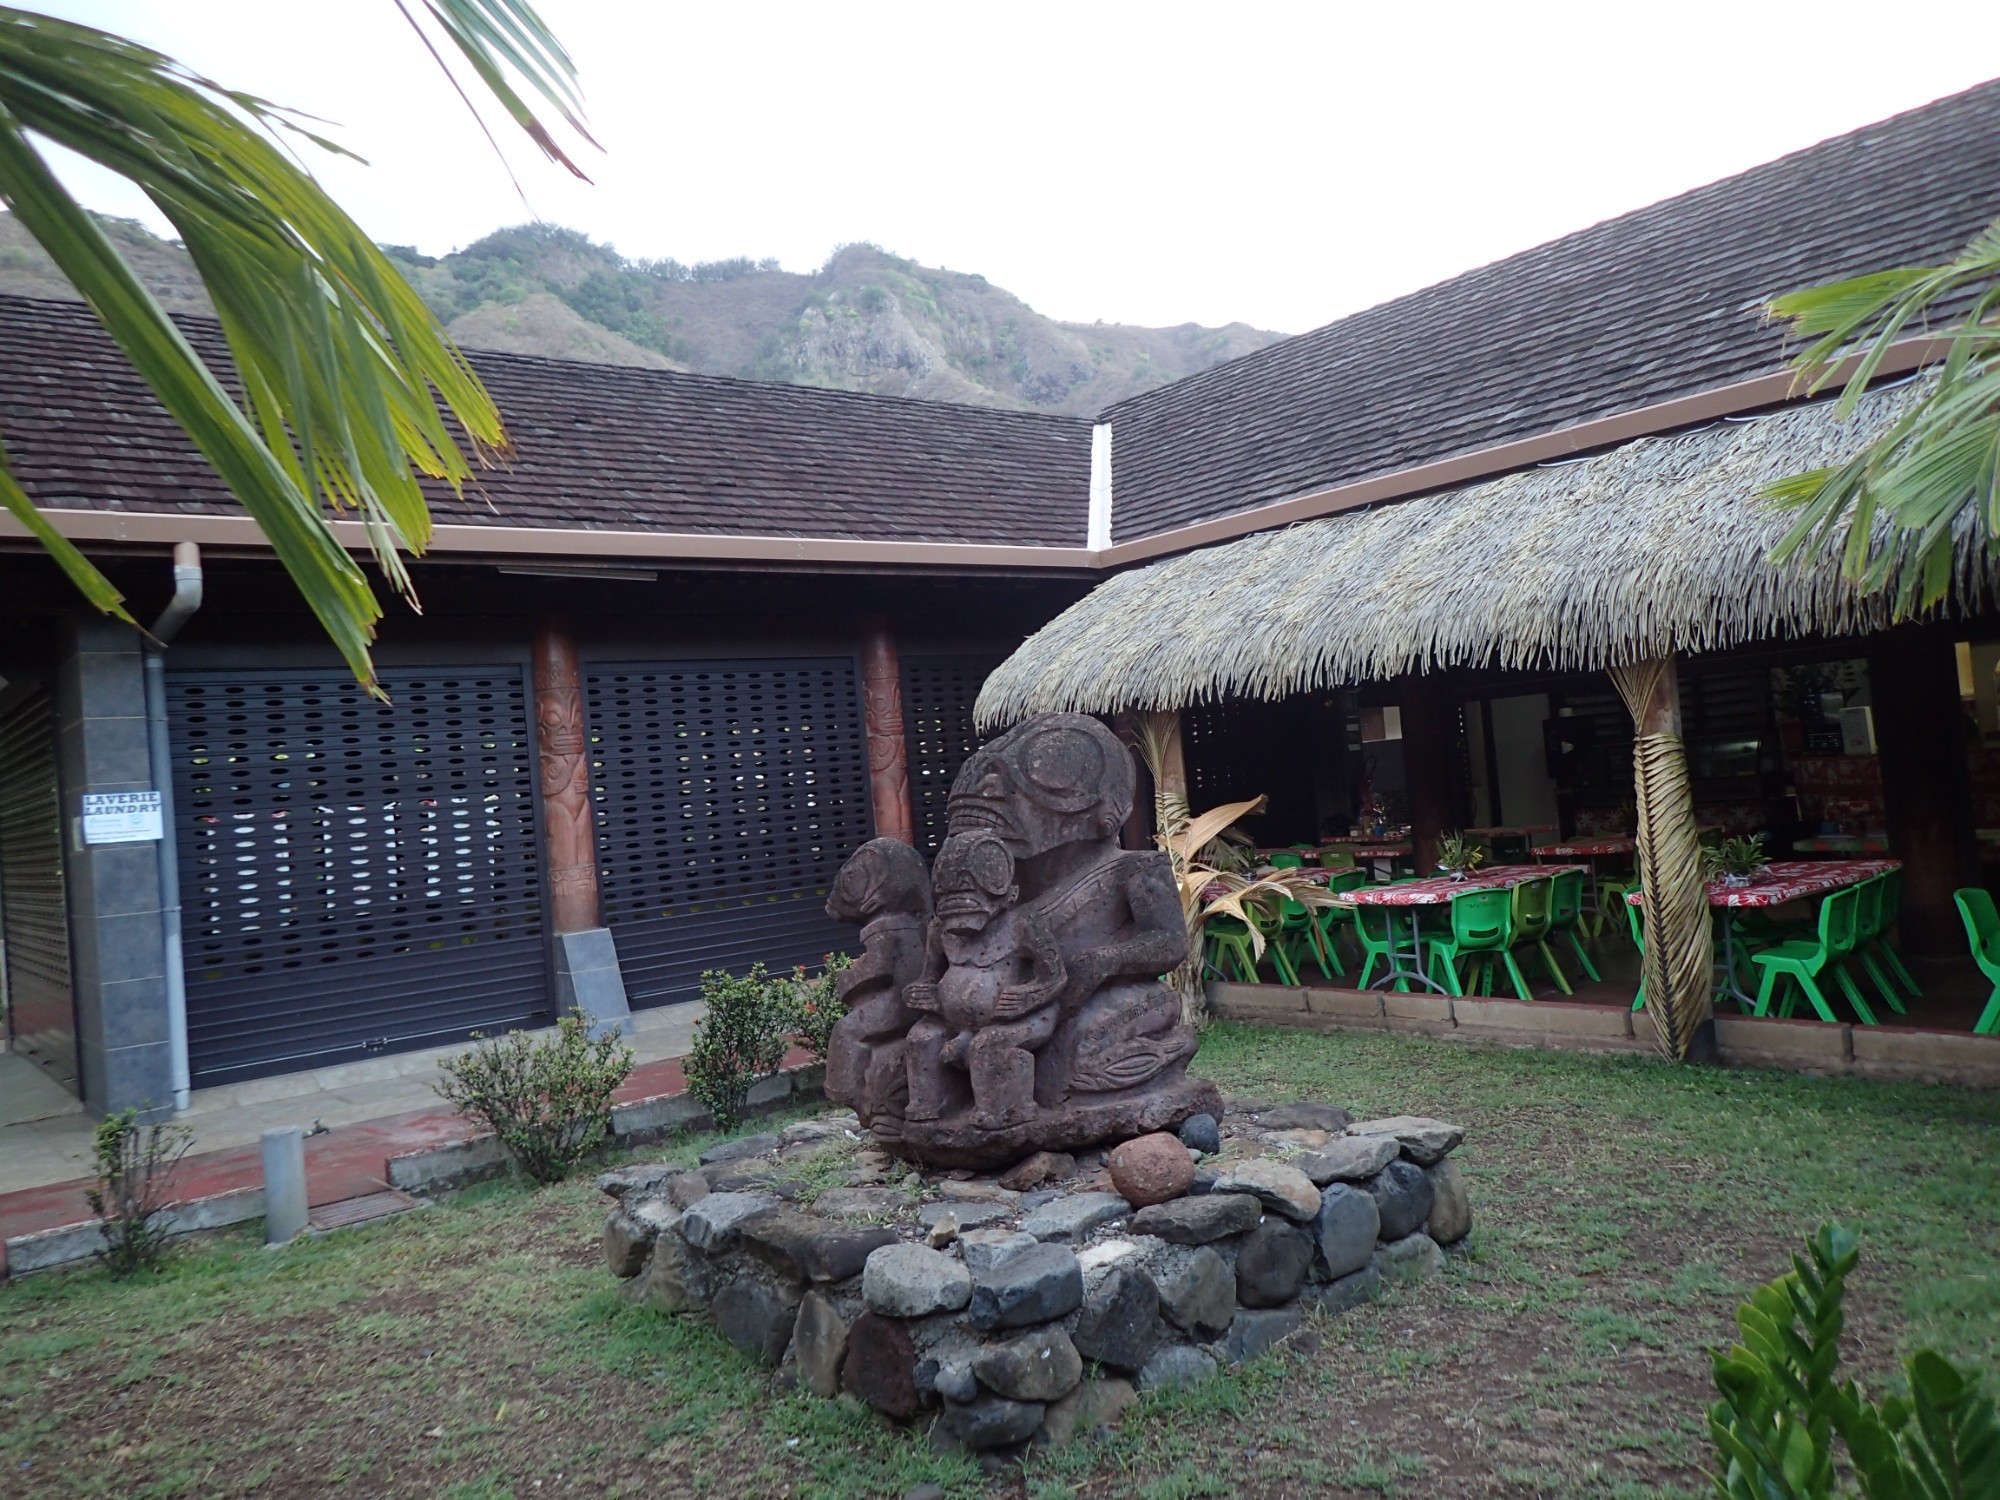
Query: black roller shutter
[[356, 877], [727, 795], [34, 915], [938, 694]]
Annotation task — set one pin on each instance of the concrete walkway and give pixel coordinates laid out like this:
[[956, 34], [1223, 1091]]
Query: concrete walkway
[[45, 1162]]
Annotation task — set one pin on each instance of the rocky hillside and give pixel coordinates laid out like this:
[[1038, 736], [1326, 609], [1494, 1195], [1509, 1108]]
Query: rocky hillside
[[867, 320]]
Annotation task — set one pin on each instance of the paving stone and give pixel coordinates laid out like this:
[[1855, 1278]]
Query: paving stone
[[1423, 1140], [1096, 1403], [1120, 1320], [880, 1366], [1349, 1291], [808, 1248], [1410, 1258], [1403, 1197], [964, 1215], [991, 1422], [1202, 1133], [913, 1281], [739, 1149], [712, 1222], [1345, 1231], [1037, 1366], [1271, 1264], [1033, 1286], [1176, 1364], [1197, 1290], [1352, 1158], [1303, 1115], [1256, 1329], [1032, 1171], [819, 1344], [852, 1203], [984, 1249], [1151, 1169], [1451, 1207], [1074, 1215], [1275, 1184], [756, 1317], [1199, 1221]]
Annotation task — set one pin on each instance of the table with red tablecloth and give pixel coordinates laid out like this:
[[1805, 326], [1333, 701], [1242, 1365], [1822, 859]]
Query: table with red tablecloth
[[1436, 890]]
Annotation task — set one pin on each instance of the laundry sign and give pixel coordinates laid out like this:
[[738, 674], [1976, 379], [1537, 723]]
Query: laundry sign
[[121, 817]]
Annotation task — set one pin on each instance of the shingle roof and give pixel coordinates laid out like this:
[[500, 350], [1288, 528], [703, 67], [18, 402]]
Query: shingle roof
[[1655, 304], [597, 447]]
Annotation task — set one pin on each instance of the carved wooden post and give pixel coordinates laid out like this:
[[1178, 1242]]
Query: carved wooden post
[[1677, 964], [569, 829], [587, 975], [888, 757]]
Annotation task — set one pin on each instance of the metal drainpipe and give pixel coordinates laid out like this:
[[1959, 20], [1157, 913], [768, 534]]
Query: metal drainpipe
[[186, 600]]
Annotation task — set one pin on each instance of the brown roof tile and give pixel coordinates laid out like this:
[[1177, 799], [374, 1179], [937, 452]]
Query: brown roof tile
[[1655, 304]]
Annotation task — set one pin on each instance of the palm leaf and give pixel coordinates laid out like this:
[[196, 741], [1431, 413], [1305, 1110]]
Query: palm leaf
[[347, 388]]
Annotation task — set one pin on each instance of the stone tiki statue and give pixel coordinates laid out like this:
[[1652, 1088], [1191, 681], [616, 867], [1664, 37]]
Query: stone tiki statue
[[886, 889], [1040, 1019]]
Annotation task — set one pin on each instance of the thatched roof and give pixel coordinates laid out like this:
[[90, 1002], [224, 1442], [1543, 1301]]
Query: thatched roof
[[1660, 545]]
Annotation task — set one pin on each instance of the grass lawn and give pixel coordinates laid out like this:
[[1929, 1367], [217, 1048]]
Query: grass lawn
[[478, 1349]]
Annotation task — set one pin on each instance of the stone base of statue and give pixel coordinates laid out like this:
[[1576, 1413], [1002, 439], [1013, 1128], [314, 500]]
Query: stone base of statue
[[1092, 1120]]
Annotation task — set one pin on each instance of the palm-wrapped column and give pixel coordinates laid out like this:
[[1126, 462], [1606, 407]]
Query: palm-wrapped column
[[1676, 962]]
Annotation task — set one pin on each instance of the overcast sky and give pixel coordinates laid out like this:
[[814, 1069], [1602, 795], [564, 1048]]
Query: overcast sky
[[1276, 164]]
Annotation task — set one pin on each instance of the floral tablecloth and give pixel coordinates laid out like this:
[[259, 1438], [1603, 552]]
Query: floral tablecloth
[[1438, 889], [1588, 848], [1794, 880]]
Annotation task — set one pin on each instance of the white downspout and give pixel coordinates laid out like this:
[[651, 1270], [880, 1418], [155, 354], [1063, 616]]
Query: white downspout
[[1097, 537], [186, 600]]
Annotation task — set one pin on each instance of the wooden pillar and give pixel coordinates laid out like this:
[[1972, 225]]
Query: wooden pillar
[[1430, 752], [888, 756], [569, 829], [1138, 830], [1676, 965], [1922, 736]]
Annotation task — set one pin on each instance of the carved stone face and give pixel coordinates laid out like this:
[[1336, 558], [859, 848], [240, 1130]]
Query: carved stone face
[[882, 875], [974, 881], [1059, 779]]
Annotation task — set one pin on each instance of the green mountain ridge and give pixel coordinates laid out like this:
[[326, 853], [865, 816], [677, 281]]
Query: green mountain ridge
[[865, 321]]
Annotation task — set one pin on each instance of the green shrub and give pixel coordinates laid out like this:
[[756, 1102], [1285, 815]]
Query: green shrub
[[1781, 1406], [743, 1037], [815, 1003], [135, 1168], [547, 1098]]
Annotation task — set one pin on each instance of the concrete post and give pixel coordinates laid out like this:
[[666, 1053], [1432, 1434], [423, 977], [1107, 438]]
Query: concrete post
[[284, 1152]]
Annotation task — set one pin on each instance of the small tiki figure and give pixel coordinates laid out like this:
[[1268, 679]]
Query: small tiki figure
[[885, 887], [992, 981]]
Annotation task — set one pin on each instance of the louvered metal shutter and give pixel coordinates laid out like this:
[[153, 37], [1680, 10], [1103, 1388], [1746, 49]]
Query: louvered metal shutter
[[34, 916], [938, 694], [727, 795], [356, 877]]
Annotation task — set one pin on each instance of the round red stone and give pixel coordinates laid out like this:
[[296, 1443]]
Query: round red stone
[[1151, 1169]]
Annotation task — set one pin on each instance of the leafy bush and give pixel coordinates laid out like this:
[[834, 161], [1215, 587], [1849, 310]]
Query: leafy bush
[[547, 1098], [815, 1005], [1781, 1406], [135, 1167], [742, 1038]]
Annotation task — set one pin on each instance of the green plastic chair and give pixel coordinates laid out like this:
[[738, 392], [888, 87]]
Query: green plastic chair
[[1297, 930], [1892, 912], [1868, 938], [1611, 893], [1230, 939], [1330, 921], [1804, 960], [1336, 859], [1481, 926], [1635, 916], [1287, 860], [1982, 930], [1375, 930], [1566, 916], [1533, 900]]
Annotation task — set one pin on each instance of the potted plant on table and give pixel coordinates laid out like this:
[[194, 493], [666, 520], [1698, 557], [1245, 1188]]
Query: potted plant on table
[[1733, 862], [1458, 856]]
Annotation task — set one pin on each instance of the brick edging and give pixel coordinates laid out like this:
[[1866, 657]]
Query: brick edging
[[1887, 1052]]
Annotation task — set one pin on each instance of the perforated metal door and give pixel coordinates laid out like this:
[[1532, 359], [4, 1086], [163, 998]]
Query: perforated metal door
[[727, 795], [356, 878], [34, 916], [938, 694]]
